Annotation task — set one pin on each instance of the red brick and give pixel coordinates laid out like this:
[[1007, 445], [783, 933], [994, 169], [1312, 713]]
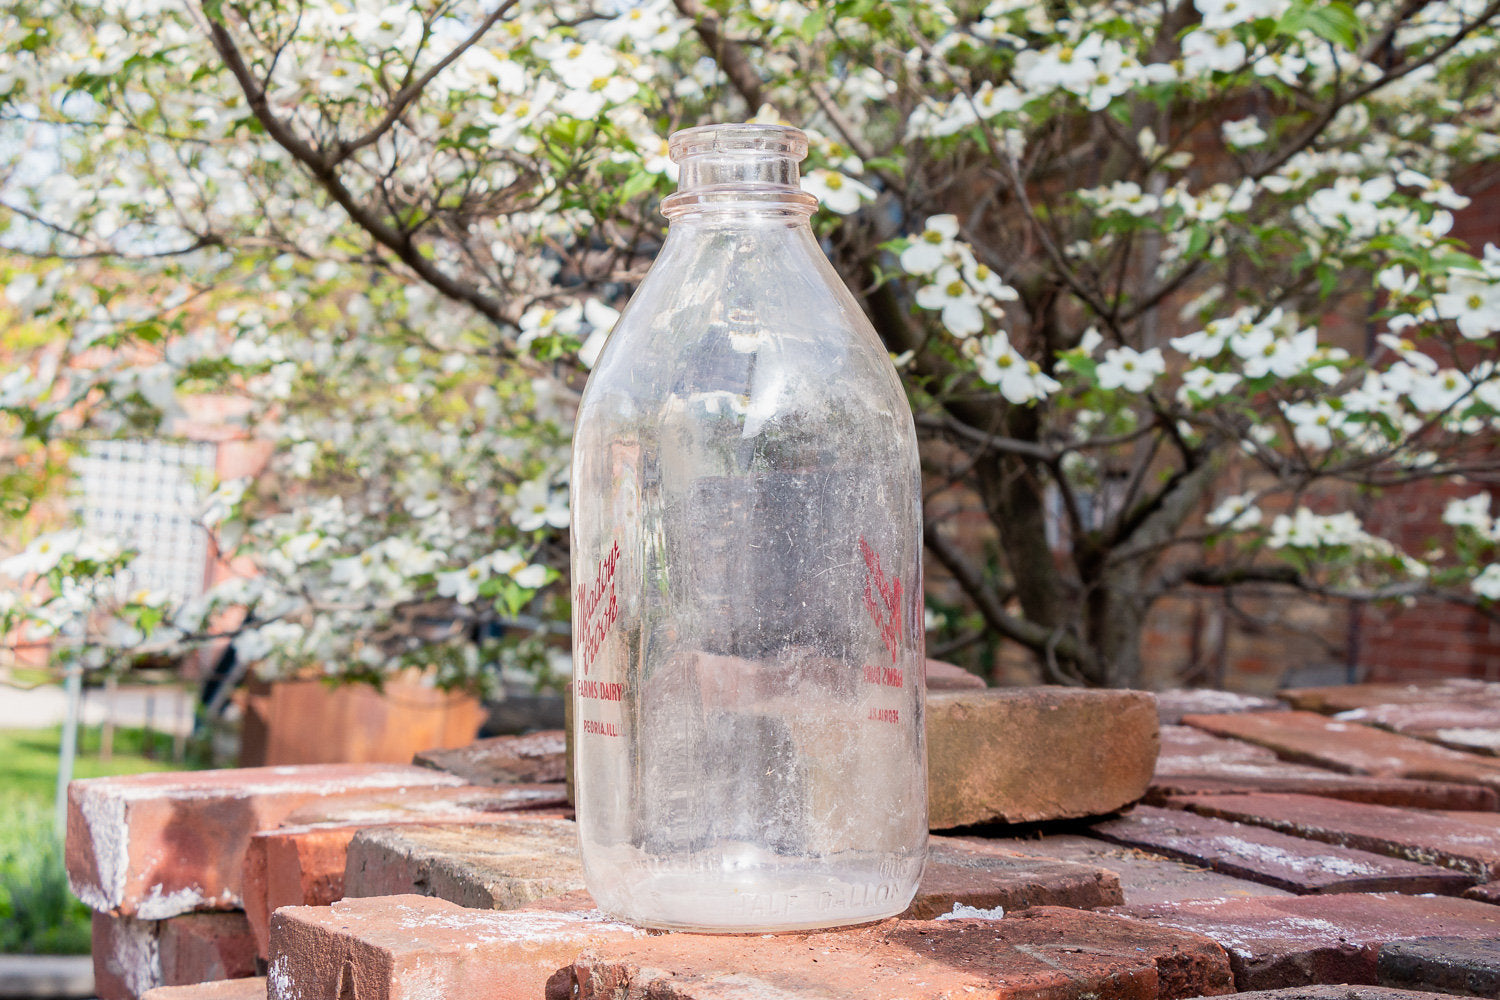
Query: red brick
[[132, 956], [203, 947], [1261, 855], [975, 873], [228, 989], [1144, 877], [948, 677], [1459, 724], [1350, 747], [500, 866], [1344, 697], [302, 863], [156, 845], [1443, 965], [1299, 940], [504, 760], [1340, 992], [1193, 762], [418, 948], [1172, 705], [1044, 952], [1399, 833], [1015, 755], [127, 957], [1485, 892]]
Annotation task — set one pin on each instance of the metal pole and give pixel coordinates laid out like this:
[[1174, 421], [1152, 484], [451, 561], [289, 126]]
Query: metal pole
[[69, 744]]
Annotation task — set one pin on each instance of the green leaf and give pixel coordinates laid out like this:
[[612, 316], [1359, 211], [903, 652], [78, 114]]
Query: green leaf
[[1334, 22], [811, 25], [637, 185]]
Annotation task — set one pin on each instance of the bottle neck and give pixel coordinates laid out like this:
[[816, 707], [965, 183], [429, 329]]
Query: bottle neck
[[727, 170]]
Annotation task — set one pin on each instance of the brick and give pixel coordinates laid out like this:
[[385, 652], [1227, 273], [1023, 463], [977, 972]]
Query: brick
[[127, 956], [1344, 697], [1194, 762], [504, 760], [1300, 865], [227, 989], [1172, 705], [1043, 952], [499, 866], [1350, 747], [1485, 892], [133, 956], [202, 947], [1458, 725], [975, 873], [1339, 992], [1144, 877], [1442, 965], [1300, 940], [1399, 833], [156, 845], [1028, 754], [948, 677], [418, 948], [302, 862]]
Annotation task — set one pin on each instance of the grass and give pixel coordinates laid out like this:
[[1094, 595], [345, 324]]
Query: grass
[[37, 912]]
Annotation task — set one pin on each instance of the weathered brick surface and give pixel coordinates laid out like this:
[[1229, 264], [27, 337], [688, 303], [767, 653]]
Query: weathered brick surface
[[302, 862], [156, 845], [1194, 762], [1022, 755], [1043, 952], [1442, 965], [498, 866], [1351, 747], [420, 948], [1299, 940], [1344, 697], [203, 947], [227, 989], [1338, 992], [133, 956], [1172, 705], [948, 677], [982, 875], [127, 956], [1261, 855], [1487, 892], [504, 760], [1144, 877], [1456, 724], [1399, 833]]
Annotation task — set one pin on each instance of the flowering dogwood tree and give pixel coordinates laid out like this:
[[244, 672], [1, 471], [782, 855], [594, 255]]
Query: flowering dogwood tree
[[1168, 283]]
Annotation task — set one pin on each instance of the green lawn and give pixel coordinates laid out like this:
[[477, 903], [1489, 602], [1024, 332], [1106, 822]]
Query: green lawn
[[37, 913]]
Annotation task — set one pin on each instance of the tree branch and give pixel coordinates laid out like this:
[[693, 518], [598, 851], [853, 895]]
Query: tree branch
[[1037, 638], [397, 241], [407, 95], [730, 57]]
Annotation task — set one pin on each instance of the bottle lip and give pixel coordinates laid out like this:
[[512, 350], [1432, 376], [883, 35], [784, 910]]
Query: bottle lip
[[769, 140], [758, 198]]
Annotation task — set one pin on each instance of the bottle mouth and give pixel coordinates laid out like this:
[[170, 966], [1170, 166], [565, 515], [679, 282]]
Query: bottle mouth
[[738, 165], [751, 139]]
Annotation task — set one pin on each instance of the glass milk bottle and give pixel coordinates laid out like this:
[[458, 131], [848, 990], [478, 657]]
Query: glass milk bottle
[[747, 584]]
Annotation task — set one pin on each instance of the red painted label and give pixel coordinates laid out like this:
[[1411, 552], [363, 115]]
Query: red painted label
[[885, 715], [598, 608], [885, 676], [883, 600]]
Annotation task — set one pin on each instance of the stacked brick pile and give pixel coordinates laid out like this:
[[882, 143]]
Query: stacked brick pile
[[1280, 851]]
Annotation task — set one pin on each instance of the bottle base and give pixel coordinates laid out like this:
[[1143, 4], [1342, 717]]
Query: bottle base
[[749, 901]]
